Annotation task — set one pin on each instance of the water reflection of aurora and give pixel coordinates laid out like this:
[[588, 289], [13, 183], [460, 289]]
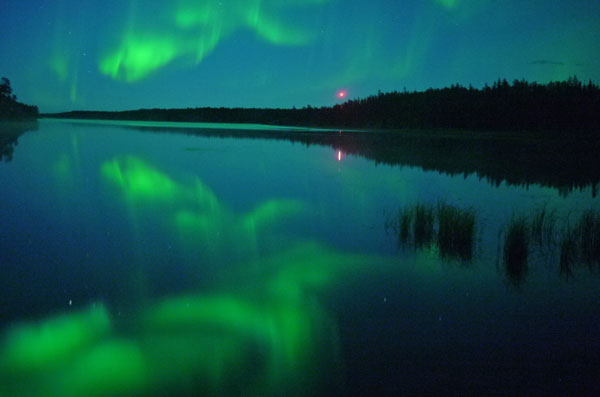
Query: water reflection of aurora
[[262, 330]]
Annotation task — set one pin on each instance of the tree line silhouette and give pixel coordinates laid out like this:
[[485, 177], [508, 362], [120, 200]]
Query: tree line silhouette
[[10, 109], [563, 107]]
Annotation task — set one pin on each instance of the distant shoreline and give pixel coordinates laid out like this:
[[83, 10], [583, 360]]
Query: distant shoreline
[[202, 125], [567, 108], [442, 133]]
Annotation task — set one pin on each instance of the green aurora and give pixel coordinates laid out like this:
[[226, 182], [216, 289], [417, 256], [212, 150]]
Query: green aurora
[[197, 28], [272, 53]]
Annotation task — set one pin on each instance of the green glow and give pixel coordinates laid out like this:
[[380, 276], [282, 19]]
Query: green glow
[[270, 30], [138, 56], [59, 61], [33, 347], [285, 331], [208, 229], [63, 60], [448, 3], [260, 16], [58, 64], [265, 304], [138, 180], [113, 367], [270, 211], [204, 197], [276, 311], [266, 333], [310, 267], [224, 312], [195, 360], [198, 28], [200, 13], [215, 230], [197, 222], [63, 168]]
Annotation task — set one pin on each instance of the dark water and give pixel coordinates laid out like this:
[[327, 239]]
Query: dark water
[[138, 260]]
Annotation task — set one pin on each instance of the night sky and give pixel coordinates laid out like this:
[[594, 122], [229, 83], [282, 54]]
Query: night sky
[[125, 54]]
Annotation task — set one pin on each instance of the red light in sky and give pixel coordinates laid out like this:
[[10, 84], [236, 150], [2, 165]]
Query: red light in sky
[[342, 94]]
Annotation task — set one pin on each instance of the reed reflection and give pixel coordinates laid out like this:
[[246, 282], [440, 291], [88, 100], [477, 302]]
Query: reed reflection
[[544, 238], [451, 230], [537, 239]]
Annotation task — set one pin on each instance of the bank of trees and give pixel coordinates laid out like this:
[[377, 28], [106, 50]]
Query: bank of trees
[[558, 106], [10, 108], [564, 107]]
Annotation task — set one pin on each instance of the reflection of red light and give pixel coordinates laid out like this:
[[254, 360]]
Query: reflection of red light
[[339, 155]]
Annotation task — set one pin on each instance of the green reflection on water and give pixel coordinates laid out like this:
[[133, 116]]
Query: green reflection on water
[[32, 347], [207, 229], [251, 335], [63, 168], [311, 267], [138, 180], [259, 329], [115, 366], [269, 212], [282, 337]]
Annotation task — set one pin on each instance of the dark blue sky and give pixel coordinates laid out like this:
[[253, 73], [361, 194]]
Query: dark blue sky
[[113, 55]]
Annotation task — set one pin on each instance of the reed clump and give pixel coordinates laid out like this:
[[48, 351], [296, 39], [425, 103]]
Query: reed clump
[[577, 243], [580, 243], [456, 232], [568, 253], [405, 222], [588, 236], [542, 227], [423, 225], [516, 249]]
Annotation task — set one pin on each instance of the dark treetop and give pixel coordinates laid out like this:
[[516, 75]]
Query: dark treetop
[[10, 109]]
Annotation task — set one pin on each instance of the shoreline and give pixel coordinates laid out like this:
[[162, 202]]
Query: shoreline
[[523, 136]]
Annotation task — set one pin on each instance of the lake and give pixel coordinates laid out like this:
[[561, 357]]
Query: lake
[[157, 258]]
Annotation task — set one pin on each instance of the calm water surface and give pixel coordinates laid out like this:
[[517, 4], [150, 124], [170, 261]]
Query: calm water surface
[[144, 261]]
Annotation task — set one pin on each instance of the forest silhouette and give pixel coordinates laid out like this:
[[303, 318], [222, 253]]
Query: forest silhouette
[[17, 118], [541, 120], [10, 108], [561, 108]]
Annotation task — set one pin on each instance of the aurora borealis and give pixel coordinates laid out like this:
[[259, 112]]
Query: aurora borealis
[[115, 55]]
